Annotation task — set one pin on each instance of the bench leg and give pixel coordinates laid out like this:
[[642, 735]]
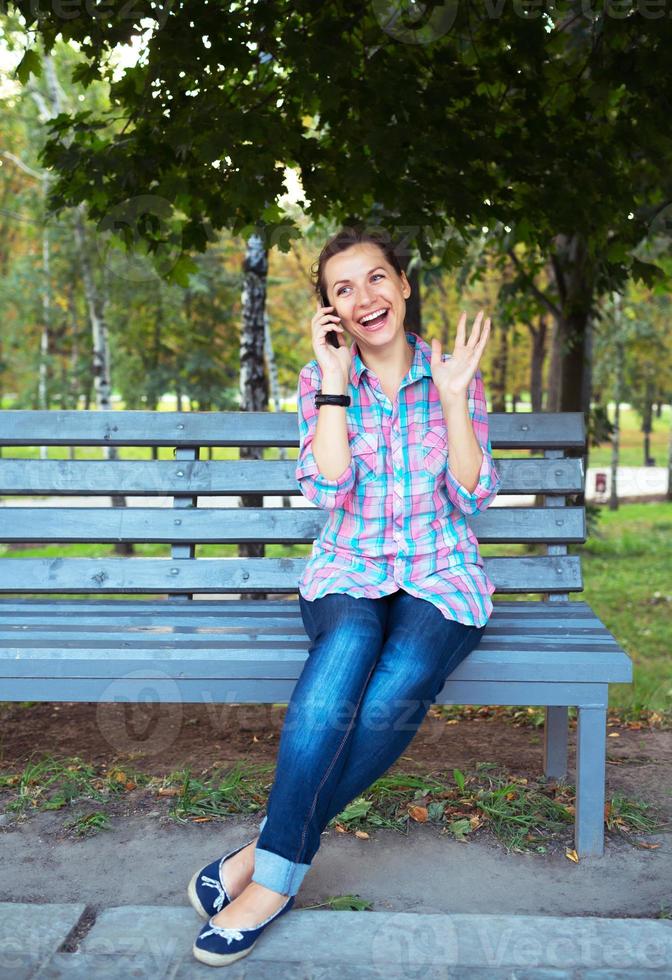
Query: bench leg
[[555, 742], [591, 748]]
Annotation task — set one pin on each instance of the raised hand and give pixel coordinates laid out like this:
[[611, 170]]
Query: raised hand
[[453, 376]]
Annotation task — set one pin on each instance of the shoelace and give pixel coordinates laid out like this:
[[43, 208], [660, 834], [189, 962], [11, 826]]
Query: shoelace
[[228, 934], [221, 894]]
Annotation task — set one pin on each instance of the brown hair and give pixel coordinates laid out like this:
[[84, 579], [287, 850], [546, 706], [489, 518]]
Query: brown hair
[[344, 239]]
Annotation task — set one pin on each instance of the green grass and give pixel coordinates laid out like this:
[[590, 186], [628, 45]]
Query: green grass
[[626, 567], [49, 783], [241, 789], [632, 441], [521, 814], [89, 823]]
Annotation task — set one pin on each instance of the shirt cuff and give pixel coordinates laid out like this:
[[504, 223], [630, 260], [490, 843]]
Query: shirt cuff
[[317, 488], [489, 482]]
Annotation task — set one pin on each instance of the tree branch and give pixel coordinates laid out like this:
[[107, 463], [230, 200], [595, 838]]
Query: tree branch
[[542, 297]]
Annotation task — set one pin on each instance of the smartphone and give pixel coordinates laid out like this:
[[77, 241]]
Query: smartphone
[[331, 335]]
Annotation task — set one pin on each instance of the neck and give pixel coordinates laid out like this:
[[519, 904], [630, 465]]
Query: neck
[[392, 362]]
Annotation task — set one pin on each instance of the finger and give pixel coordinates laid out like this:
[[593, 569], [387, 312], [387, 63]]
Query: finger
[[460, 335], [484, 336], [476, 330]]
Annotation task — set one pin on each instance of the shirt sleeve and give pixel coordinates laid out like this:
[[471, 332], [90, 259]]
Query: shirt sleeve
[[489, 481], [315, 487]]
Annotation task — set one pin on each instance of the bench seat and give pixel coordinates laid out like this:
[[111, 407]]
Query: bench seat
[[237, 651]]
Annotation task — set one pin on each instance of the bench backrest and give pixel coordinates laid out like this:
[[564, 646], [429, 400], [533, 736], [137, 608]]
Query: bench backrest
[[188, 523]]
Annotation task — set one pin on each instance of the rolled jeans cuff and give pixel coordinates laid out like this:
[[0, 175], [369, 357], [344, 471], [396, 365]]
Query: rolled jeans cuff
[[277, 872]]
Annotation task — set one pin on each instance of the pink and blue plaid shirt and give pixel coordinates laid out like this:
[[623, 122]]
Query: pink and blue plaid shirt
[[397, 515]]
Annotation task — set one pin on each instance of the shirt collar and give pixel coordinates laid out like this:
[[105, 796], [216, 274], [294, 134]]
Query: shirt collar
[[421, 366]]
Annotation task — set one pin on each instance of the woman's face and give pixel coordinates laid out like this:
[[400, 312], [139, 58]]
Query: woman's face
[[360, 281]]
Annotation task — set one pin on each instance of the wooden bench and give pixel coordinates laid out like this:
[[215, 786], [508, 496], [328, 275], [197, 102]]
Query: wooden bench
[[545, 651]]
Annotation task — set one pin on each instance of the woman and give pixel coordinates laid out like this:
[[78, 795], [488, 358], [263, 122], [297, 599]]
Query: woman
[[394, 595]]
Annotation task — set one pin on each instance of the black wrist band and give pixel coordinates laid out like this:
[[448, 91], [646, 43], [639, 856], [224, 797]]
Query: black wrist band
[[321, 399]]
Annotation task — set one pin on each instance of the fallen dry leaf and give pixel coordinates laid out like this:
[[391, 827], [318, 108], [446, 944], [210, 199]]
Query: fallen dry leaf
[[362, 834], [201, 819], [573, 856], [169, 791], [418, 813]]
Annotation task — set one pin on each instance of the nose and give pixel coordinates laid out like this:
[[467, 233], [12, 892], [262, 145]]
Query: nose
[[367, 297]]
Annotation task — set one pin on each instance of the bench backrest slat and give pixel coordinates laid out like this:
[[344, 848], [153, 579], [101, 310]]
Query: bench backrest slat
[[519, 430], [223, 575], [277, 525], [172, 515], [232, 477]]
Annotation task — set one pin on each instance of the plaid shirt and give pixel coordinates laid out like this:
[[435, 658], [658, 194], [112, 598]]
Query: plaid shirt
[[397, 514]]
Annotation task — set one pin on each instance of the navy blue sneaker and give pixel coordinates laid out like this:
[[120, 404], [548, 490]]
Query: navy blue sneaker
[[206, 889], [219, 946]]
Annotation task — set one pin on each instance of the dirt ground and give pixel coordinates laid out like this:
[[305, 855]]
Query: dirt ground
[[145, 857], [159, 739]]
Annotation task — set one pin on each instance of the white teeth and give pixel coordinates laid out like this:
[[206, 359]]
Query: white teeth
[[372, 316]]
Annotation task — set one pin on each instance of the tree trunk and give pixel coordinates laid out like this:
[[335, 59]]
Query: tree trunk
[[413, 318], [275, 386], [95, 302], [574, 277], [43, 373], [553, 385], [618, 397], [537, 367], [647, 422], [253, 380], [500, 369]]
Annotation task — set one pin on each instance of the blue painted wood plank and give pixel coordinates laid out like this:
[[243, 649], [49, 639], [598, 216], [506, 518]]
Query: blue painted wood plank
[[25, 427]]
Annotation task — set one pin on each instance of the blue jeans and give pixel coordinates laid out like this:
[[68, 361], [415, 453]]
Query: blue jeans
[[373, 669]]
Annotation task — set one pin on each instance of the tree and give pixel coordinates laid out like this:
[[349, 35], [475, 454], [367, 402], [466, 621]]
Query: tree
[[552, 124]]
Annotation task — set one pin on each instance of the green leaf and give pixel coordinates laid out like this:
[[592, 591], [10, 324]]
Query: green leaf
[[349, 903], [86, 73], [435, 810], [355, 810], [182, 270], [29, 65], [459, 828]]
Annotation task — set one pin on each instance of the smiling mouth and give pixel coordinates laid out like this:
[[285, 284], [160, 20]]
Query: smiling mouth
[[376, 322]]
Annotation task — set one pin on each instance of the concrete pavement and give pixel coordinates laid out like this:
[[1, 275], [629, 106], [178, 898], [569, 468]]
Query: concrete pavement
[[59, 941]]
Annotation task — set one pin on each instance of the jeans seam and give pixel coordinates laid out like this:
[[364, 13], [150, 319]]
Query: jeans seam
[[331, 765]]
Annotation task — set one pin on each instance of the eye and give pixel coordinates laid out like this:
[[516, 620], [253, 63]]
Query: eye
[[374, 276]]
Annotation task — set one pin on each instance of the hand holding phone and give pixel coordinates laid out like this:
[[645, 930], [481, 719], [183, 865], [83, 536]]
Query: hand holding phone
[[331, 334], [334, 358]]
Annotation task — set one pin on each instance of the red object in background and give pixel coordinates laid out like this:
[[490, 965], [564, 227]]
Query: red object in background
[[600, 483]]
